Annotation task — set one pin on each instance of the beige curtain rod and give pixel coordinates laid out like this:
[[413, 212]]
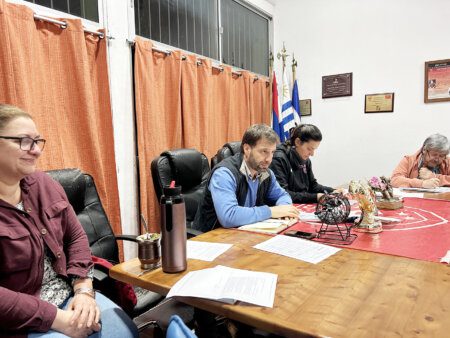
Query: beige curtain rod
[[199, 61], [64, 25]]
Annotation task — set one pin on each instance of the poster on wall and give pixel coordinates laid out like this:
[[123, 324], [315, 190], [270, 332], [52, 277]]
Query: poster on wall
[[437, 81]]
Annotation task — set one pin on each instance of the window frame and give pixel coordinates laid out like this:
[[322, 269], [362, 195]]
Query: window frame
[[246, 4], [53, 13]]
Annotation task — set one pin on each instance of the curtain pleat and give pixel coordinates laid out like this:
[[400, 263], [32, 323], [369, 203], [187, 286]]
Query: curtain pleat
[[60, 77], [260, 101], [158, 116]]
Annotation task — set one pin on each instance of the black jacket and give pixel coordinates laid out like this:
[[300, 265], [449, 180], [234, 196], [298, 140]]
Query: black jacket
[[295, 175]]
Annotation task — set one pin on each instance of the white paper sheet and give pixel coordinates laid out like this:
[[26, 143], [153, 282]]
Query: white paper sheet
[[308, 217], [269, 226], [228, 285], [446, 258], [206, 251], [429, 190], [400, 193], [297, 248]]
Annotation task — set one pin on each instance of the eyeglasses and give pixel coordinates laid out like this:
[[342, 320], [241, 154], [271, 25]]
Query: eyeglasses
[[27, 143], [437, 155]]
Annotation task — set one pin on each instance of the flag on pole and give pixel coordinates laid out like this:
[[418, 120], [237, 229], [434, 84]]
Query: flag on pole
[[296, 100], [275, 110], [289, 117]]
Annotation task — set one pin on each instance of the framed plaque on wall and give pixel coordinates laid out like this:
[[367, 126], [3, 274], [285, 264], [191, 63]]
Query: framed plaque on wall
[[305, 107], [337, 85], [379, 103]]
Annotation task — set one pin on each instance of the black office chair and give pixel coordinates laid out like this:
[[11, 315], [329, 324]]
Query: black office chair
[[189, 169], [82, 194], [228, 149]]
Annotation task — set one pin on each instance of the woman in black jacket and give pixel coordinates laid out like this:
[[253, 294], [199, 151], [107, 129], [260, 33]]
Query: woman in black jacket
[[292, 166]]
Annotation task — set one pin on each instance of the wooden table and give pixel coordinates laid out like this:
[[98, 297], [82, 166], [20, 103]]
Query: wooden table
[[351, 294], [438, 196]]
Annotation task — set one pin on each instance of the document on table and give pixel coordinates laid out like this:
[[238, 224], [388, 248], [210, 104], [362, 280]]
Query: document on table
[[270, 226], [228, 285], [432, 190], [301, 249], [308, 217], [407, 193], [206, 251]]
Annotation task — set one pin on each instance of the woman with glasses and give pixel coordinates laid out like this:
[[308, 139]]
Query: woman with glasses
[[427, 168], [45, 261]]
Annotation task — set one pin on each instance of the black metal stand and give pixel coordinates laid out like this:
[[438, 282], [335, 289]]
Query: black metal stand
[[334, 231], [336, 234]]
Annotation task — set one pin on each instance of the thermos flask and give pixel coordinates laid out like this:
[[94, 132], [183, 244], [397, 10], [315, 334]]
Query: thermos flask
[[173, 230]]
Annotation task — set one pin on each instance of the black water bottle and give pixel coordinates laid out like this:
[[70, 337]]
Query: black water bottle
[[173, 230]]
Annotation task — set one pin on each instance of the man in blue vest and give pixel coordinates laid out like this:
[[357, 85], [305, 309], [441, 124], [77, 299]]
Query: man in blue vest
[[242, 189]]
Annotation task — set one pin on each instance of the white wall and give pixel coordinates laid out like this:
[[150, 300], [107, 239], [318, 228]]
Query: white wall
[[384, 43]]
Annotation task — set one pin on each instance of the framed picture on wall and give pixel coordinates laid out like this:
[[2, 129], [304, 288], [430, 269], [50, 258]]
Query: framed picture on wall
[[437, 81], [305, 107], [379, 103]]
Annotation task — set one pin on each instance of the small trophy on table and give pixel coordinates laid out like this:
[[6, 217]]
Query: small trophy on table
[[387, 200], [361, 192]]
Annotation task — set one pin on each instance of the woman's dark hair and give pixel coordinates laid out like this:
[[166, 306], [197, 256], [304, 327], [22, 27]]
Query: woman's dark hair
[[306, 133]]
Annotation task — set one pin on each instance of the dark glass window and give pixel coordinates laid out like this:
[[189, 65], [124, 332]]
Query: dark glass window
[[187, 24], [86, 9], [193, 25], [245, 38]]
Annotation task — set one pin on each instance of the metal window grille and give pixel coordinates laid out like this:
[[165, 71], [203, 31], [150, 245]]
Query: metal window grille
[[187, 24], [193, 25], [86, 9], [245, 38]]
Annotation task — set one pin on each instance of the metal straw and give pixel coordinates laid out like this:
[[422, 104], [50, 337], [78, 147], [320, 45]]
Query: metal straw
[[145, 225]]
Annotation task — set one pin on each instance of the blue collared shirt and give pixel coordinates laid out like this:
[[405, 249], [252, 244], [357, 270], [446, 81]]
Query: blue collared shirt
[[223, 191]]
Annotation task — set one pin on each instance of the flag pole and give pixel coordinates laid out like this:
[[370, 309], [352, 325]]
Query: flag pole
[[294, 66], [283, 55]]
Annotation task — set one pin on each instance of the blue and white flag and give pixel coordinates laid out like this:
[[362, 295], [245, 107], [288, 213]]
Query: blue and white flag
[[296, 100], [289, 117], [275, 110]]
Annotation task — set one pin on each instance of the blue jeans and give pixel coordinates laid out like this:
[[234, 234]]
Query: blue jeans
[[115, 322]]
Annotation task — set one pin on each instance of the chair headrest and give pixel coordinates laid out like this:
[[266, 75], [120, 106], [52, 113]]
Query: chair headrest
[[186, 166], [228, 149], [73, 183]]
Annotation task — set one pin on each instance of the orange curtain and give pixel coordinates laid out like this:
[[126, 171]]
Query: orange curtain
[[157, 79], [260, 101], [186, 104], [60, 77]]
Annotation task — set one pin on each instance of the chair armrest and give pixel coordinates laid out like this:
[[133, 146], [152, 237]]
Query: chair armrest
[[131, 238], [100, 276], [193, 232]]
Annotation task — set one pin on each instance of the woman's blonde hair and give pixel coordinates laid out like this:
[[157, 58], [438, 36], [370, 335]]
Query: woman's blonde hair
[[9, 113]]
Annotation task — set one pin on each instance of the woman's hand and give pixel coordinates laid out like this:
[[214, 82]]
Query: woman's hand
[[430, 183], [62, 323], [425, 174], [85, 312]]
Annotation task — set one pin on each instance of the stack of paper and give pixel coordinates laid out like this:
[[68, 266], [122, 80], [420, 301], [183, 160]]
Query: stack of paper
[[228, 285], [270, 226], [309, 217], [432, 190]]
